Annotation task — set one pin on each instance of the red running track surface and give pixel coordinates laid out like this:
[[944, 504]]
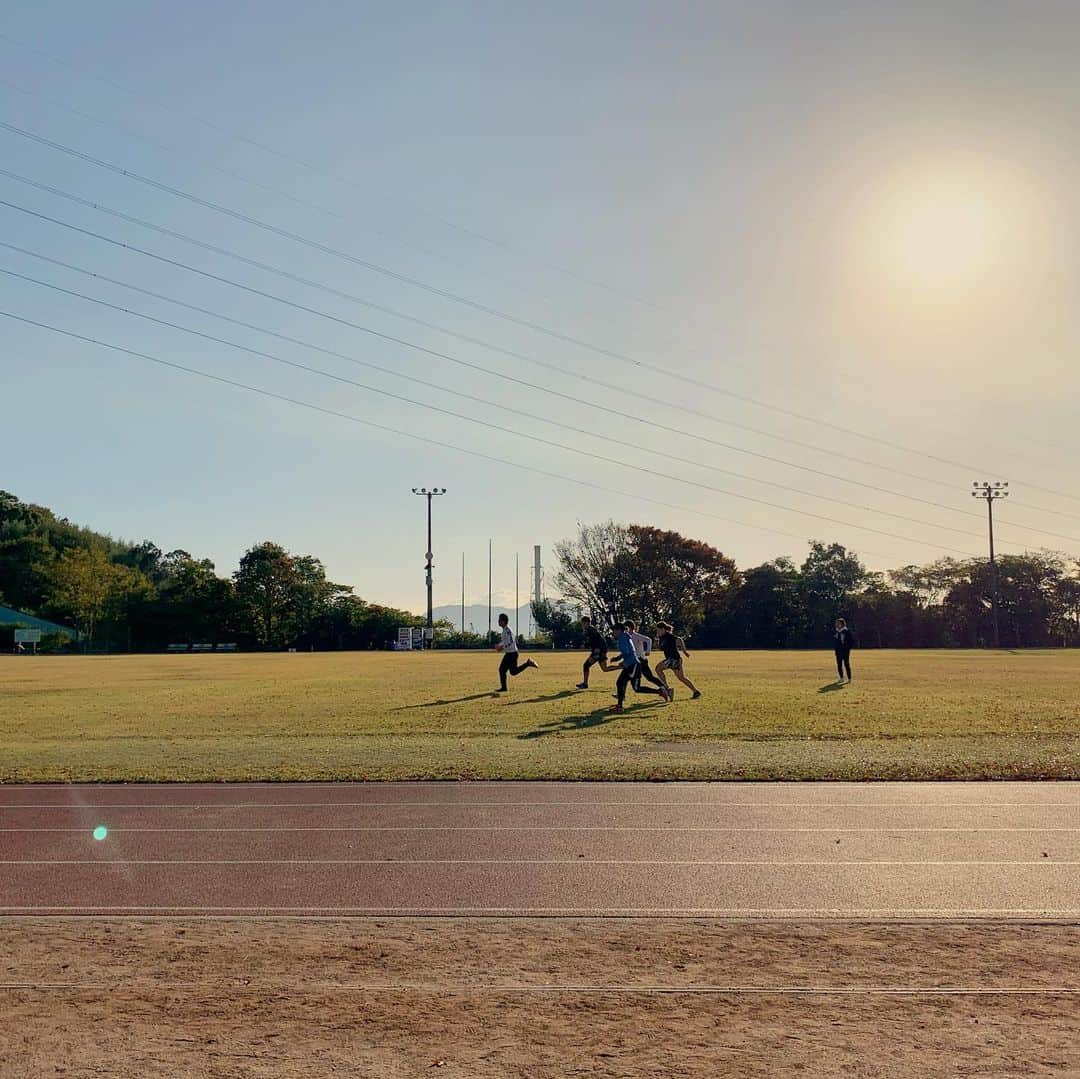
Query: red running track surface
[[782, 850]]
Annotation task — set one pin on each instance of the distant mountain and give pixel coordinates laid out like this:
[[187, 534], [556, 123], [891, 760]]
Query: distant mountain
[[477, 615]]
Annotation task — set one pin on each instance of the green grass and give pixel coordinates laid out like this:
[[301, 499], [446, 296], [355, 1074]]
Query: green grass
[[765, 715]]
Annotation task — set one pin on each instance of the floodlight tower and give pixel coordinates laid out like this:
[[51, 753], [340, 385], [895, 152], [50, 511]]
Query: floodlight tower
[[990, 493], [429, 495]]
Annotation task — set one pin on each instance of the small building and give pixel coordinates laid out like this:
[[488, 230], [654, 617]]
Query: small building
[[11, 619]]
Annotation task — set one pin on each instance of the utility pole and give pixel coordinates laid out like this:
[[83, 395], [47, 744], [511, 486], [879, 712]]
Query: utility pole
[[489, 590], [990, 493], [517, 596], [429, 495], [463, 593]]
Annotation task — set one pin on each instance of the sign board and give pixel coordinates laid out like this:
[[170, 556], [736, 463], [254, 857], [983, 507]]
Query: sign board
[[28, 636], [404, 639], [418, 638]]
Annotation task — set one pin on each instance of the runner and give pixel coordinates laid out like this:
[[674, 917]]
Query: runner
[[842, 641], [629, 669], [642, 647], [672, 646], [594, 639], [509, 649]]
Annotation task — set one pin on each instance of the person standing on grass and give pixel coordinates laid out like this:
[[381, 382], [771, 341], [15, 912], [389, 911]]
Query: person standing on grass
[[628, 654], [597, 646], [642, 648], [508, 647], [674, 648], [842, 642]]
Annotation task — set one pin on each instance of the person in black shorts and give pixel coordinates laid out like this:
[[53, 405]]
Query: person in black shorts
[[842, 641], [594, 641], [508, 647], [674, 648]]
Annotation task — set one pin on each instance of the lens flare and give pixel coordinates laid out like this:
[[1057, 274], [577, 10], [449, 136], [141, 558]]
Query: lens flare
[[100, 832]]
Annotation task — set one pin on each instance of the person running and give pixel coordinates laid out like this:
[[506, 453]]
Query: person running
[[594, 639], [842, 642], [642, 647], [509, 649], [674, 648], [628, 654]]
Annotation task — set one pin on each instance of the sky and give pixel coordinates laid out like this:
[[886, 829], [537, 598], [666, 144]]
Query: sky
[[762, 274]]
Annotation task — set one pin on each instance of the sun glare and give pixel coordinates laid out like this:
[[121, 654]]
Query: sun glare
[[954, 234]]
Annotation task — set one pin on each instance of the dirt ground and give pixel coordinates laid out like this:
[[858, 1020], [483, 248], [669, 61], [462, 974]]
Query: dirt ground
[[541, 999]]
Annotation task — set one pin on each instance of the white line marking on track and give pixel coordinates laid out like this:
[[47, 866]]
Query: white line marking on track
[[506, 861], [550, 828], [554, 804], [666, 990], [854, 913]]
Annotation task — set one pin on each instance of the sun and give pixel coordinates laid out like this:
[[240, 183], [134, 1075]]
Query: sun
[[951, 232]]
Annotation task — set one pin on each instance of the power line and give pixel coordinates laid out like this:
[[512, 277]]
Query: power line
[[283, 155], [436, 386], [457, 360], [335, 215], [261, 185], [399, 433], [476, 305], [509, 431]]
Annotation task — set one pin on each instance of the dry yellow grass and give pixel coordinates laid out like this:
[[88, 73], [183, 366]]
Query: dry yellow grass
[[392, 716]]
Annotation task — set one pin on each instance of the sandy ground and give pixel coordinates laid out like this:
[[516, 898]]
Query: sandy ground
[[390, 998]]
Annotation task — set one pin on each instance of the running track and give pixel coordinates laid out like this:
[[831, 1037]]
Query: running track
[[783, 850]]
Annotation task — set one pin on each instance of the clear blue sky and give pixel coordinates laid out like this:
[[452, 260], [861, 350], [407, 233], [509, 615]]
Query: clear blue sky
[[863, 214]]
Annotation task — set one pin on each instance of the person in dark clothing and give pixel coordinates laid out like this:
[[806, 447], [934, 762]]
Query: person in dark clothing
[[597, 646], [509, 649], [674, 648], [628, 655], [642, 646], [842, 642]]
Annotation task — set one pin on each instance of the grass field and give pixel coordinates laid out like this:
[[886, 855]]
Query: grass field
[[764, 715]]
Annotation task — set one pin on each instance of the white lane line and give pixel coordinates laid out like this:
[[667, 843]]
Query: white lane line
[[508, 861], [848, 913], [456, 804], [651, 990], [550, 828]]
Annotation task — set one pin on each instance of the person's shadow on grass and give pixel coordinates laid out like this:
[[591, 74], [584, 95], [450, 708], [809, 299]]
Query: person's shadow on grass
[[562, 695], [831, 687], [581, 723], [451, 700]]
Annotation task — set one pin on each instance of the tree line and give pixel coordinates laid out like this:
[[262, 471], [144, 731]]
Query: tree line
[[136, 597], [614, 571]]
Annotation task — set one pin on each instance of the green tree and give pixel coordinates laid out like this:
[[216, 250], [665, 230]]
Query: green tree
[[828, 579], [673, 578], [559, 622], [93, 589], [282, 597]]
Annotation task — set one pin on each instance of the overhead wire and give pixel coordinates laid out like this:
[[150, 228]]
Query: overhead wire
[[532, 415], [493, 372], [551, 444], [412, 436], [477, 305]]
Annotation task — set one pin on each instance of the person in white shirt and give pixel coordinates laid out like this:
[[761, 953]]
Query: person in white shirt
[[509, 649], [642, 648]]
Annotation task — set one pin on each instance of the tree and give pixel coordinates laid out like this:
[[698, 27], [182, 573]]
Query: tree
[[827, 579], [92, 589], [282, 596], [672, 578], [559, 622], [595, 572], [762, 611]]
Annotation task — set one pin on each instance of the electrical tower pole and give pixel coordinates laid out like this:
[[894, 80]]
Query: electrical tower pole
[[990, 493], [429, 495]]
